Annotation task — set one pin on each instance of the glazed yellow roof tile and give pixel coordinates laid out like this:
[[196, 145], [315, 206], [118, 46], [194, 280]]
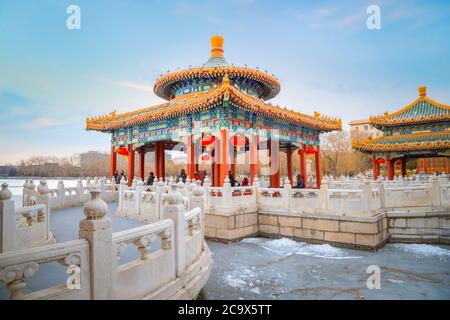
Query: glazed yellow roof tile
[[422, 110], [271, 84], [201, 100], [406, 142]]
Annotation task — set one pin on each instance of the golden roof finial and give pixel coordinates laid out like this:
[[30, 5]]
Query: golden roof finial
[[217, 47], [422, 91], [225, 79]]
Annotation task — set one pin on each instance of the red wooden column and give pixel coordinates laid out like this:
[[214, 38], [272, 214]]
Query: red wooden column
[[254, 157], [303, 172], [274, 156], [223, 159], [130, 164], [289, 165], [318, 168], [113, 162], [389, 168], [142, 164], [191, 165], [375, 167], [403, 166], [160, 159]]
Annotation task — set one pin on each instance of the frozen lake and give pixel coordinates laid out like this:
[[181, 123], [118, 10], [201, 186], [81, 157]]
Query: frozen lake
[[260, 268]]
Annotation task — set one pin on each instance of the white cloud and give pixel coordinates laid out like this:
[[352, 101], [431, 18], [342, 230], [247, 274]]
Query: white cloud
[[134, 85], [41, 122]]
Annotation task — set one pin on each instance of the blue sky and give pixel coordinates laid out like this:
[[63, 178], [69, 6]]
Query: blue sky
[[51, 78]]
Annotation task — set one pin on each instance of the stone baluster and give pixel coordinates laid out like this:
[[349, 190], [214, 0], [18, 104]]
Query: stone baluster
[[139, 189], [44, 198], [7, 219], [14, 277], [96, 228], [366, 196], [80, 191], [256, 185], [175, 210], [60, 193], [435, 191], [323, 194], [122, 188], [206, 186], [287, 193], [197, 197], [226, 191], [25, 192], [160, 197]]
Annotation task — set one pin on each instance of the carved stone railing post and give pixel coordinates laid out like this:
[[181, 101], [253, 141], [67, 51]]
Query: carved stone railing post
[[7, 219], [123, 186], [206, 186], [174, 209], [287, 193], [103, 187], [60, 192], [139, 189], [226, 192], [44, 198], [366, 196], [323, 194], [256, 185], [96, 228], [197, 198], [435, 191], [382, 193], [80, 191]]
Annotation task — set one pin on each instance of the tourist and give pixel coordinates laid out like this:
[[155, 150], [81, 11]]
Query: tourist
[[182, 176], [116, 177], [122, 176], [244, 182], [231, 177], [300, 184], [150, 179]]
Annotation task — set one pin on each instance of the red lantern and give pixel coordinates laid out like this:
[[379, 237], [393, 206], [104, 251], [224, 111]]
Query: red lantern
[[397, 163], [207, 140], [309, 150], [205, 157], [240, 141], [123, 151], [380, 160]]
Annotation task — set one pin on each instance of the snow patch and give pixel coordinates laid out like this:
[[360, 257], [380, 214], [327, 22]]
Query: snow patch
[[423, 250], [285, 246], [396, 281], [241, 277]]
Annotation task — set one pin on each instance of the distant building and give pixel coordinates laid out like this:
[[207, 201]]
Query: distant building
[[8, 171], [362, 129]]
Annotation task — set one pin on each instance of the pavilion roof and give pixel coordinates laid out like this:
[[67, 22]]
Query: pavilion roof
[[423, 141], [202, 100], [422, 110]]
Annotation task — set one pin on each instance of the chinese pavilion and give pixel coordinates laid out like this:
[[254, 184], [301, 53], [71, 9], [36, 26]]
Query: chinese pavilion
[[419, 130], [215, 109]]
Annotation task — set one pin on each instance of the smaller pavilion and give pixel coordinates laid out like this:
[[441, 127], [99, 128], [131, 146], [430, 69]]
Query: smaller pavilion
[[419, 130]]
